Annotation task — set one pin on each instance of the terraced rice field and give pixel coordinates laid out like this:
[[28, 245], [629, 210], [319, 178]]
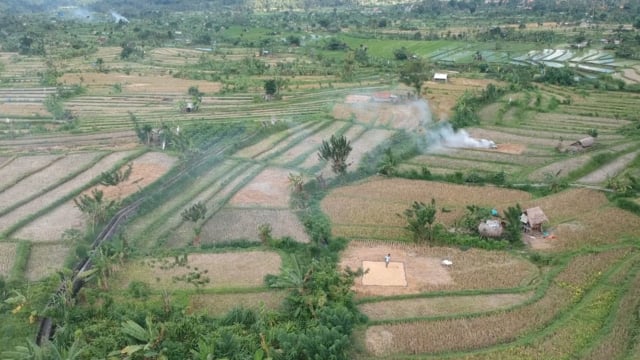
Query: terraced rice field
[[225, 270], [45, 259], [371, 207], [220, 304], [7, 258], [572, 287]]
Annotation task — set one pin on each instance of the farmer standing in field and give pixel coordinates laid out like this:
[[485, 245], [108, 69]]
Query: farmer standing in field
[[387, 259]]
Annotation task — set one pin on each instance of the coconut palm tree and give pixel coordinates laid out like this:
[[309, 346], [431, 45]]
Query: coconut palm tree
[[336, 150]]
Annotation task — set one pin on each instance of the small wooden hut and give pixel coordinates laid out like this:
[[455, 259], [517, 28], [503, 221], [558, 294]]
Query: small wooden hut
[[536, 218]]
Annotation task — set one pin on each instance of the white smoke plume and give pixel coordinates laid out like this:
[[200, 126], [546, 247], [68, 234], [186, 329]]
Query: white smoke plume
[[442, 135], [119, 18]]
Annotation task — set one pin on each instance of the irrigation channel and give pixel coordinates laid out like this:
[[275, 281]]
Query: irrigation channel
[[77, 281]]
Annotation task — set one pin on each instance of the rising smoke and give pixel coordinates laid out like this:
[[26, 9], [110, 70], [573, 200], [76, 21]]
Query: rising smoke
[[119, 18], [442, 135]]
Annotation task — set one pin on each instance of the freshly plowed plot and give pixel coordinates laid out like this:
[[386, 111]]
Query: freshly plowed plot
[[270, 188], [234, 224], [472, 269], [376, 202], [144, 171], [42, 233], [310, 144], [45, 260], [7, 257], [20, 167], [232, 269], [220, 304], [148, 84], [444, 305], [47, 176]]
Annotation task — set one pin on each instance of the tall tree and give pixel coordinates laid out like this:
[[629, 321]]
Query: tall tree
[[336, 150], [95, 206], [194, 214], [414, 73], [420, 220]]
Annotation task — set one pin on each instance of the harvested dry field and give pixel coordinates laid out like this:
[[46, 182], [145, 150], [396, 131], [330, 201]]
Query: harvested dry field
[[375, 203], [45, 259], [7, 257], [145, 170], [270, 188], [220, 304], [234, 269], [471, 269], [148, 84], [233, 224]]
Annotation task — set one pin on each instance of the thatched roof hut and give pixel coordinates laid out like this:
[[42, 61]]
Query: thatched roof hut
[[536, 217], [490, 228], [587, 142]]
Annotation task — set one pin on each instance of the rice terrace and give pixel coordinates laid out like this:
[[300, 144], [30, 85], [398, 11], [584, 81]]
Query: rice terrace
[[350, 180]]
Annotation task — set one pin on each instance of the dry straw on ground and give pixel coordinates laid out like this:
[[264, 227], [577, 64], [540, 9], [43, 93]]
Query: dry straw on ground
[[45, 260], [225, 270], [7, 257], [379, 200], [220, 304], [234, 224], [271, 188], [472, 269], [38, 228], [444, 305], [478, 332]]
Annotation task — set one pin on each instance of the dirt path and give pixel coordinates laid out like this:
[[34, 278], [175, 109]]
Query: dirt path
[[610, 170]]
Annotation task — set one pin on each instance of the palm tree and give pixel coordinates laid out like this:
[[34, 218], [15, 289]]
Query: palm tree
[[195, 213], [95, 207], [336, 150]]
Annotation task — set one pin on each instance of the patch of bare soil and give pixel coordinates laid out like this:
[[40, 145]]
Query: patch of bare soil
[[144, 171], [516, 149], [21, 109], [269, 189]]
